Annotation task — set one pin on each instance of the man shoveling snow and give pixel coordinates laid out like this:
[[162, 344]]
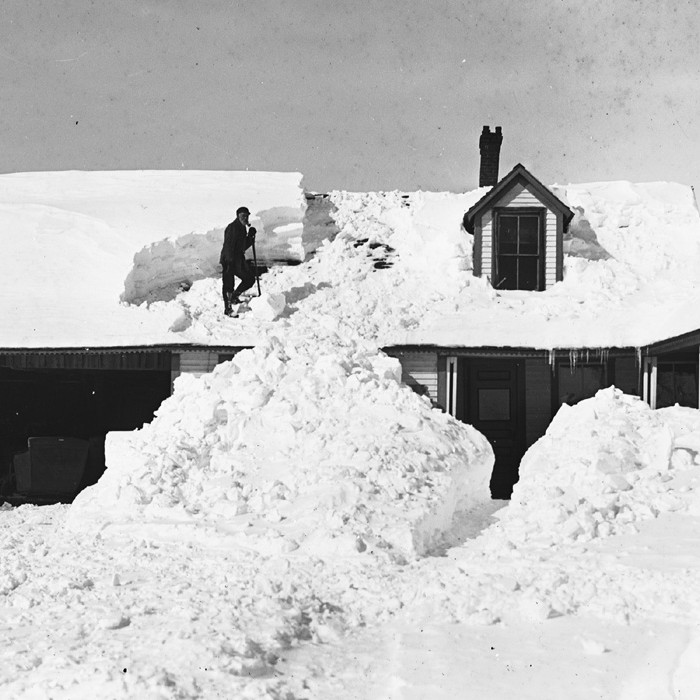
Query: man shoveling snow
[[238, 237]]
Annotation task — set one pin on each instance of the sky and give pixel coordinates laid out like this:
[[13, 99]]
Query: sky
[[360, 96]]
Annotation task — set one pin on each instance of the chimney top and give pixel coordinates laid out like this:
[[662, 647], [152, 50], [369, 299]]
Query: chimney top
[[490, 149]]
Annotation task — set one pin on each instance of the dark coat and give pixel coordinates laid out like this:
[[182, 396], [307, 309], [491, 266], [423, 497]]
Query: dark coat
[[236, 242]]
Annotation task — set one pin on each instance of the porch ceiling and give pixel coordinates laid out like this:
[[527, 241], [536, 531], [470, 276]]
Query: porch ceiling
[[687, 341]]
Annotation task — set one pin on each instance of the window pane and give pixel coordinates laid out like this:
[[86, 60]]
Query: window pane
[[529, 235], [507, 273], [490, 375], [494, 404], [528, 269], [508, 234]]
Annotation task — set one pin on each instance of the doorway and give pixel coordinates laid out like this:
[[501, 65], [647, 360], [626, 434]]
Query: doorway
[[493, 401]]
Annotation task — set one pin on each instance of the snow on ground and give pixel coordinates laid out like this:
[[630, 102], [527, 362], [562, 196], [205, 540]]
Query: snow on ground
[[297, 524]]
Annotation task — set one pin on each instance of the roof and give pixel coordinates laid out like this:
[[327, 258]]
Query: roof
[[71, 241], [519, 175]]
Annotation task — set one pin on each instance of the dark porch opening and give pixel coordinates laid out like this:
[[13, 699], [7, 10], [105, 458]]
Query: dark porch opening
[[72, 403], [677, 380]]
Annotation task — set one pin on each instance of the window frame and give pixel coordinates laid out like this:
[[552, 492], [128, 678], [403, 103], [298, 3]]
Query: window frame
[[540, 256]]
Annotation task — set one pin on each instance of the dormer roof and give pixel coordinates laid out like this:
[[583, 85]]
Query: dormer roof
[[519, 175]]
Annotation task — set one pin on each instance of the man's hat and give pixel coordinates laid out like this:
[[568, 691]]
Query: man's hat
[[242, 210]]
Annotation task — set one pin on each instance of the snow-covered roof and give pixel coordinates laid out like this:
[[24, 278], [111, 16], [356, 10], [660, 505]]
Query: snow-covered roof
[[129, 259], [77, 246]]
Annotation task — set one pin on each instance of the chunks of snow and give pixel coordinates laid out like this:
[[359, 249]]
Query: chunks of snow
[[268, 307]]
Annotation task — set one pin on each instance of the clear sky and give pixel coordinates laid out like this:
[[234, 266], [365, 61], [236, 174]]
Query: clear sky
[[356, 95]]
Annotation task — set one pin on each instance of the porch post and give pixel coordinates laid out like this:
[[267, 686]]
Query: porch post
[[452, 384], [646, 362], [652, 388]]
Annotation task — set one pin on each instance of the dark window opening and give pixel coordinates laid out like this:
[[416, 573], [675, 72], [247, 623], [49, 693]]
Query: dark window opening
[[677, 383], [581, 381], [519, 249]]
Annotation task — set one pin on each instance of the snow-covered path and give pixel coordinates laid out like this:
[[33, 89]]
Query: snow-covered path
[[638, 638]]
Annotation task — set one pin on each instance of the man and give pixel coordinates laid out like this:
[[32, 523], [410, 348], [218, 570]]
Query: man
[[237, 239]]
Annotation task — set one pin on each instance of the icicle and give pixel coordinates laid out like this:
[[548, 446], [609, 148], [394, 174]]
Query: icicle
[[604, 355], [573, 356], [552, 357], [639, 356]]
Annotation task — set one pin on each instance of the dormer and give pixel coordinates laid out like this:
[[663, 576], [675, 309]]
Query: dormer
[[518, 229]]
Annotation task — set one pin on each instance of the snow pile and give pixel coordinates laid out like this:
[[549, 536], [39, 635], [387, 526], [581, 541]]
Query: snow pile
[[422, 228], [603, 465], [295, 445]]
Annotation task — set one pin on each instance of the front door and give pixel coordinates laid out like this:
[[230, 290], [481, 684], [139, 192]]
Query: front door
[[493, 402]]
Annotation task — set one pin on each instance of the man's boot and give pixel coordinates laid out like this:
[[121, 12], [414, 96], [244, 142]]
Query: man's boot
[[228, 311]]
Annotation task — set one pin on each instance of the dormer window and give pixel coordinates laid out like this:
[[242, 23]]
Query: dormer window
[[518, 229], [519, 248]]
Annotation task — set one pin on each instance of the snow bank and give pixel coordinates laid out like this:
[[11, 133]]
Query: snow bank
[[603, 465], [295, 446], [161, 270], [286, 234]]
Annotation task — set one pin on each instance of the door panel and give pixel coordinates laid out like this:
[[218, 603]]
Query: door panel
[[493, 402]]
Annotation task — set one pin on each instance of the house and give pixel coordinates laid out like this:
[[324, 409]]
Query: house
[[85, 365]]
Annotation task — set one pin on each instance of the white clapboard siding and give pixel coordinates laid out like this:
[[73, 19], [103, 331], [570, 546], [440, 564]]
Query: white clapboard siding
[[520, 196], [419, 370], [486, 243], [198, 362]]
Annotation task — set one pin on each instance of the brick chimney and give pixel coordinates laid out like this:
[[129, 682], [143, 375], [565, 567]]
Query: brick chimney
[[490, 149]]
